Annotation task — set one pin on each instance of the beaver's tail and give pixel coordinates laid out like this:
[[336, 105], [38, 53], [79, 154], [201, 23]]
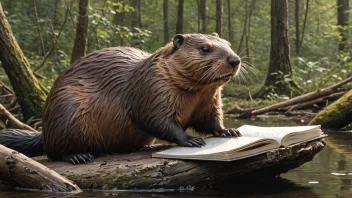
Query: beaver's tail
[[23, 141]]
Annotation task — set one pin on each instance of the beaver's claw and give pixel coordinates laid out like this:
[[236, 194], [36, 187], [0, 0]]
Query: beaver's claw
[[80, 158], [227, 133], [193, 142]]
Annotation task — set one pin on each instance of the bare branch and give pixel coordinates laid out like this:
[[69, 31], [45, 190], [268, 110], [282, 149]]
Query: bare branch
[[14, 121], [54, 39], [38, 27]]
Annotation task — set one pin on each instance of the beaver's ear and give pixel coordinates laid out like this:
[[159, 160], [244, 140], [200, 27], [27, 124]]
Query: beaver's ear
[[215, 34], [178, 40]]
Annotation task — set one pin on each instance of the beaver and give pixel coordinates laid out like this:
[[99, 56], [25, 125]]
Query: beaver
[[121, 99]]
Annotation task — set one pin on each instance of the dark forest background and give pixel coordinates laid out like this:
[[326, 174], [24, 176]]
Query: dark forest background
[[318, 37]]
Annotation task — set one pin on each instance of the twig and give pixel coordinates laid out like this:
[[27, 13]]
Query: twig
[[7, 95], [54, 40], [38, 27], [69, 12], [6, 88], [14, 121]]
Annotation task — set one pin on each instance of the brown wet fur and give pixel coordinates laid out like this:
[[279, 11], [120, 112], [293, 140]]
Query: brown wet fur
[[120, 99]]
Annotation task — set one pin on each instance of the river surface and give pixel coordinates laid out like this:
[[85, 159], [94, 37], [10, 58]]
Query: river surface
[[329, 174]]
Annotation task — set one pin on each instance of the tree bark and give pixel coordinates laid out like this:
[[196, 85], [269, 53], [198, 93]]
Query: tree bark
[[279, 78], [304, 24], [166, 21], [203, 11], [219, 17], [239, 48], [249, 27], [135, 19], [336, 115], [342, 22], [179, 24], [297, 42], [30, 93], [24, 173], [139, 171], [229, 16], [80, 45]]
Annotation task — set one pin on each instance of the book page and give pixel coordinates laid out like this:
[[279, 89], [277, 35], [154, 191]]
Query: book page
[[276, 133], [213, 145]]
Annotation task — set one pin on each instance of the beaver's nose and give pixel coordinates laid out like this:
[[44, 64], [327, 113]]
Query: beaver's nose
[[234, 61]]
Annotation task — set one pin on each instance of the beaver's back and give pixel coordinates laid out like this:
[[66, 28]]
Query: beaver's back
[[86, 108]]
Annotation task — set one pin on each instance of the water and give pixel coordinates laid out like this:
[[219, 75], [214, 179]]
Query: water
[[329, 174]]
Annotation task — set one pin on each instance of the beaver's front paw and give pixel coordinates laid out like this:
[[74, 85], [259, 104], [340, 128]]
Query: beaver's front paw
[[227, 133], [192, 142]]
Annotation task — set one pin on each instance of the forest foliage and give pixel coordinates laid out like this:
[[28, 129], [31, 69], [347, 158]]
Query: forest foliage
[[139, 23]]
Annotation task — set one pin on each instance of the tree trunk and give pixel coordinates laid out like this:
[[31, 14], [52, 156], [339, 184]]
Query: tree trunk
[[30, 93], [80, 45], [219, 17], [279, 79], [304, 24], [239, 48], [166, 21], [179, 24], [135, 19], [336, 115], [249, 27], [229, 16], [139, 171], [203, 11], [297, 42], [139, 11], [342, 22]]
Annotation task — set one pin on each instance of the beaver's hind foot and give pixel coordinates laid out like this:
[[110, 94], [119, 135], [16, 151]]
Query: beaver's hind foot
[[80, 158]]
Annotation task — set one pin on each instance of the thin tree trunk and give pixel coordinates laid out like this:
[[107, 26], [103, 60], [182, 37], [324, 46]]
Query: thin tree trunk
[[139, 11], [249, 26], [198, 17], [342, 22], [179, 24], [38, 28], [219, 17], [297, 42], [279, 78], [166, 21], [80, 45], [244, 27], [229, 20], [304, 23], [30, 93], [134, 17], [203, 11]]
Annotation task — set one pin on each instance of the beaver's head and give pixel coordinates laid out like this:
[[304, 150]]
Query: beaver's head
[[204, 59]]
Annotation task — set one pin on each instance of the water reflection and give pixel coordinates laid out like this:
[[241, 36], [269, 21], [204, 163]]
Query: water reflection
[[329, 174]]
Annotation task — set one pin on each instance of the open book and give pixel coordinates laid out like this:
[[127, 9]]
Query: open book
[[255, 140]]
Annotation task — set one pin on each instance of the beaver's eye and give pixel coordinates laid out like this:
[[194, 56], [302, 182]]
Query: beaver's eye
[[204, 49]]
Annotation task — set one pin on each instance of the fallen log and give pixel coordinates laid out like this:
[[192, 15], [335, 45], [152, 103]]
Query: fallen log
[[139, 171], [336, 115], [24, 173], [245, 113], [309, 104]]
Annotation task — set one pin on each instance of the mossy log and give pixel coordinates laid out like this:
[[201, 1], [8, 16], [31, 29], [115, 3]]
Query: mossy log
[[139, 171], [336, 115], [19, 171], [30, 93]]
